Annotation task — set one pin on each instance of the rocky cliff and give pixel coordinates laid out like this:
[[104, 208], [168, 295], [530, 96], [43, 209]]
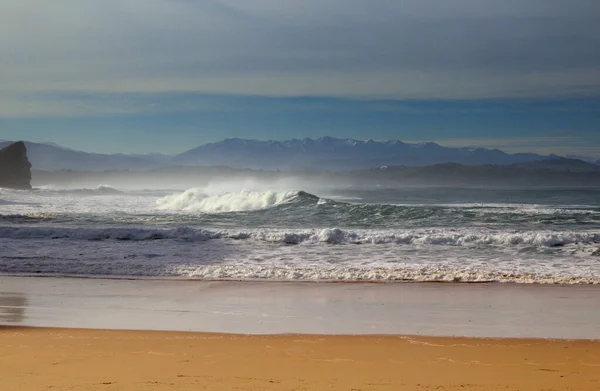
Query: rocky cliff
[[15, 168]]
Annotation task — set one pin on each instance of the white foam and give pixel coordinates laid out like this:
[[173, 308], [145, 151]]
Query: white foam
[[447, 237], [431, 273], [219, 263], [197, 200], [320, 255]]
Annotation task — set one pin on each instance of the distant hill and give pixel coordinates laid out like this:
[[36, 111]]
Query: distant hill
[[560, 172], [453, 174], [554, 172], [560, 164], [322, 154], [52, 157]]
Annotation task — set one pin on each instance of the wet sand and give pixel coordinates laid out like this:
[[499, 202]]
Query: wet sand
[[68, 359], [470, 310]]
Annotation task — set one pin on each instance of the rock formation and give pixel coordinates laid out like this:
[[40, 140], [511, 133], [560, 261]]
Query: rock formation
[[15, 168]]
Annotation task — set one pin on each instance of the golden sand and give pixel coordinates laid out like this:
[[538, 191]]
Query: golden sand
[[68, 359]]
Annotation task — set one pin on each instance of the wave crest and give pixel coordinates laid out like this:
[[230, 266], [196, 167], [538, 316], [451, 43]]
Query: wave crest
[[196, 200]]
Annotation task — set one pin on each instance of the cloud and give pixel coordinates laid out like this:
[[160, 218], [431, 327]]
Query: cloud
[[426, 49], [102, 103]]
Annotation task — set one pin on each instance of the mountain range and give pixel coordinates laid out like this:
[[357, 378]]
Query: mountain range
[[329, 153], [326, 153]]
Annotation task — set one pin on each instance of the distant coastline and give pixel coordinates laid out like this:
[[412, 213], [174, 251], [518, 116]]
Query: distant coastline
[[557, 172], [323, 154]]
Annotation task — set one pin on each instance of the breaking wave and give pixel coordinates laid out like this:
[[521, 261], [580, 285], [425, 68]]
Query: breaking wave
[[441, 237], [303, 209], [196, 200]]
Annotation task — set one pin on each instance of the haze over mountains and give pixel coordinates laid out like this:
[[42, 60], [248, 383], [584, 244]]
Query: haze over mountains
[[52, 157], [325, 153]]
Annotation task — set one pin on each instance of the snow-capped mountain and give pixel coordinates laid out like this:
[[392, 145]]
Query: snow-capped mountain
[[329, 153], [326, 153]]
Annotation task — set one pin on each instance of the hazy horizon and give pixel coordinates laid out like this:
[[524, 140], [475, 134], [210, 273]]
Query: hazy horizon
[[523, 145]]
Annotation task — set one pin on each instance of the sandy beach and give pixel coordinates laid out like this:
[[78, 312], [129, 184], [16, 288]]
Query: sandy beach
[[95, 334], [68, 359]]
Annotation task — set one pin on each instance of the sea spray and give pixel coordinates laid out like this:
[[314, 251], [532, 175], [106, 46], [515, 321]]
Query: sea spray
[[196, 200]]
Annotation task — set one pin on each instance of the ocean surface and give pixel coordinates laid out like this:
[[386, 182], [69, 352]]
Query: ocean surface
[[230, 233]]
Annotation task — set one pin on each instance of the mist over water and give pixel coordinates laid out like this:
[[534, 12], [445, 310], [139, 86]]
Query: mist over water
[[287, 229]]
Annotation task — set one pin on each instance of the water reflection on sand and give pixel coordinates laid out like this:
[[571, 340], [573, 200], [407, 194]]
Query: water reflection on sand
[[474, 310], [12, 308]]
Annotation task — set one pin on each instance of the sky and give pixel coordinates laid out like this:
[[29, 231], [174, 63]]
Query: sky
[[138, 76]]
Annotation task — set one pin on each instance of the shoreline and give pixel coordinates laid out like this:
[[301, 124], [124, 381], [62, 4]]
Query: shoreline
[[568, 312], [288, 281], [9, 328]]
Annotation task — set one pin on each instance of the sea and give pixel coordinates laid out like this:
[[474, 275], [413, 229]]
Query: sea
[[276, 233]]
